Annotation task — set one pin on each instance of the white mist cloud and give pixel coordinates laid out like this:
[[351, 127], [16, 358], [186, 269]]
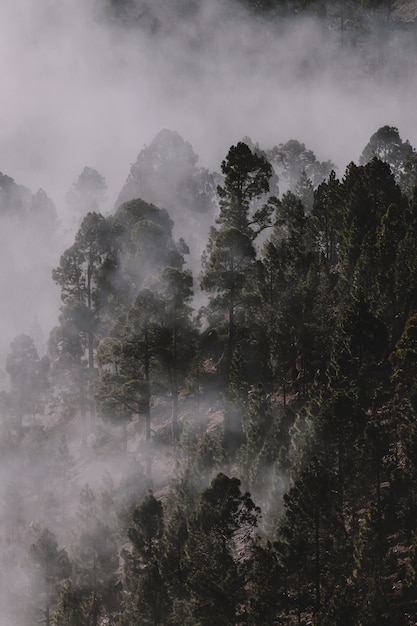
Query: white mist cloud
[[78, 91]]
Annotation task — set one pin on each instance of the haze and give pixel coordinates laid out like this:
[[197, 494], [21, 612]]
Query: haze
[[78, 90]]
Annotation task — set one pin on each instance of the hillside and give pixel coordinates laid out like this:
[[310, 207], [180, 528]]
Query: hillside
[[252, 459], [208, 356]]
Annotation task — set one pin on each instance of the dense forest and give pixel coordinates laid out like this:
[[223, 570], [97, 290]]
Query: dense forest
[[219, 424], [249, 432]]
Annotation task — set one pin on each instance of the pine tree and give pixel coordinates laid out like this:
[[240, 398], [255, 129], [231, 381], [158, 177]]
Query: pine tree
[[70, 609], [387, 145], [176, 337], [284, 291], [229, 260], [326, 217], [311, 532], [96, 561], [216, 572], [48, 566], [27, 380], [148, 593]]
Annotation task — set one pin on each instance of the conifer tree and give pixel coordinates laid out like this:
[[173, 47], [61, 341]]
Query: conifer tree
[[95, 561], [229, 260], [326, 217], [70, 609], [367, 192], [49, 566], [311, 529], [387, 145], [216, 575], [27, 379], [79, 275], [148, 594], [289, 255]]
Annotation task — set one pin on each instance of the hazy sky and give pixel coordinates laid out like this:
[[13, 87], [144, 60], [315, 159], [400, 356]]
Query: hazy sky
[[76, 93]]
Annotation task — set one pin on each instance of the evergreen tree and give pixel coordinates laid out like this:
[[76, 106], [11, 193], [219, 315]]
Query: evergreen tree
[[216, 571], [79, 276], [148, 598], [70, 609], [49, 566], [87, 194], [95, 561], [176, 337], [304, 190], [312, 533], [266, 586], [387, 145], [326, 217], [27, 380], [284, 290], [370, 573], [229, 261], [127, 391], [367, 193]]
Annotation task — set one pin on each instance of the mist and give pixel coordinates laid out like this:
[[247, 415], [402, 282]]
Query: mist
[[79, 91], [79, 88], [82, 89]]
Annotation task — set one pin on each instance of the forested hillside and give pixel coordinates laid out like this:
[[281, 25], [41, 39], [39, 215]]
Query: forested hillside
[[208, 347], [251, 460]]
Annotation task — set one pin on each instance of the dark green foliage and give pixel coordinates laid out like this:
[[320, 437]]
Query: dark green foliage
[[49, 566], [158, 340], [95, 561], [312, 528], [148, 593], [223, 518], [147, 531], [367, 191], [370, 558], [387, 145], [288, 264], [70, 608], [300, 383], [266, 585], [229, 261], [326, 214]]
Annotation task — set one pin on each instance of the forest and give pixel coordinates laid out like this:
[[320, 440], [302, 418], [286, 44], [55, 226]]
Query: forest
[[248, 433], [208, 377]]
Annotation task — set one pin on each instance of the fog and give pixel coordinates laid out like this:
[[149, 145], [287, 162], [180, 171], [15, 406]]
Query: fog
[[76, 91], [80, 89]]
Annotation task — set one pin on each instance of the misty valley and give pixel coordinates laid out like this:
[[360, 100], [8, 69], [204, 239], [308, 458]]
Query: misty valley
[[208, 373]]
